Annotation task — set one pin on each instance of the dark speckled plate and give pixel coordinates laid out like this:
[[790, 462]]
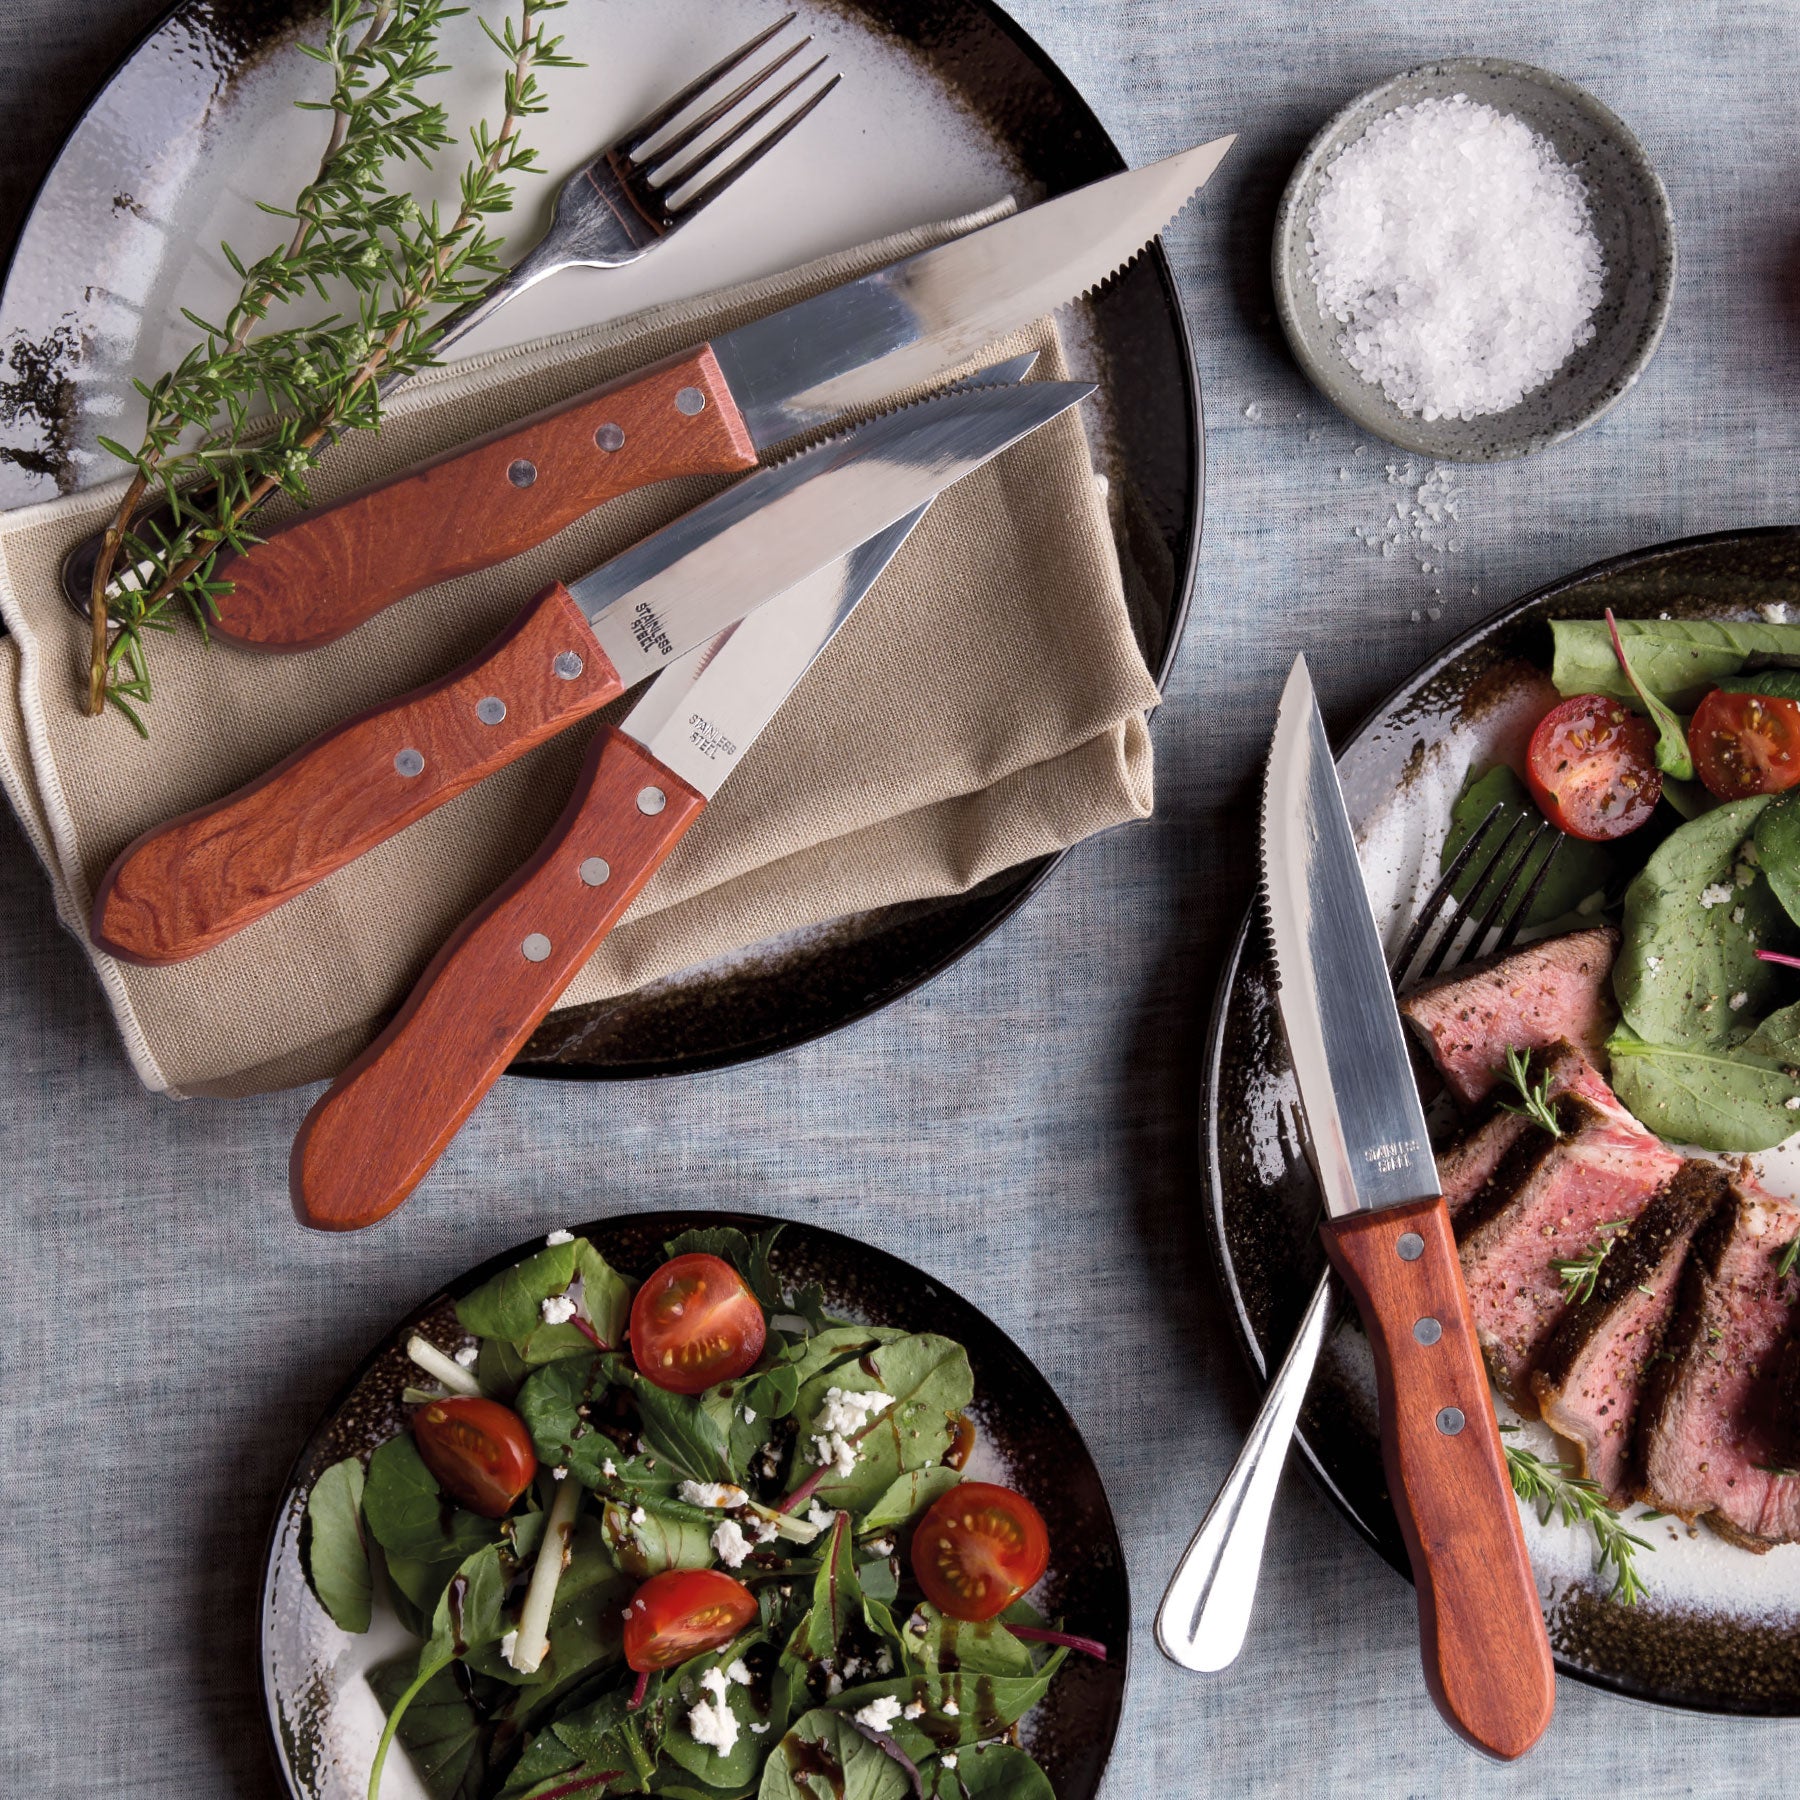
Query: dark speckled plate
[[322, 1719], [946, 105], [1722, 1652]]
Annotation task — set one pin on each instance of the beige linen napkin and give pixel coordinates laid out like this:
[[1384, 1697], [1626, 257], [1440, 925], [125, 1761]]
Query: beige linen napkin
[[984, 705]]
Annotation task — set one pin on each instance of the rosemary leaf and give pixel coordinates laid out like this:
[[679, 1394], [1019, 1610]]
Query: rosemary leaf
[[1556, 1488], [1534, 1093]]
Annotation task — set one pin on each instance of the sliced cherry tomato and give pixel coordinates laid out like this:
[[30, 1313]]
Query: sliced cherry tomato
[[695, 1322], [682, 1613], [977, 1549], [1592, 767], [1745, 744], [478, 1449]]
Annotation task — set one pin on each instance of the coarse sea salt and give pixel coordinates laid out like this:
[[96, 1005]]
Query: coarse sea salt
[[1457, 250]]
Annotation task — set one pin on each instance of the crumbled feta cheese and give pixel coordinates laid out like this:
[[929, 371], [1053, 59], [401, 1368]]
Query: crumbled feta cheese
[[1774, 611], [879, 1714], [467, 1354], [712, 1721], [884, 1662], [610, 1469], [559, 1236], [1745, 874], [765, 1531], [915, 1709], [738, 1672], [834, 1685], [1737, 915], [1739, 1001], [729, 1543], [1653, 963], [558, 1309], [882, 1547], [948, 1759], [508, 1645], [760, 1726], [818, 1515], [1793, 1103], [845, 1414], [638, 1515], [749, 1413], [559, 1473], [1719, 894], [713, 1493], [950, 1709]]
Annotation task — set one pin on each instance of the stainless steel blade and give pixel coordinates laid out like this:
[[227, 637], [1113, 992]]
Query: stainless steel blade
[[1363, 1116], [887, 331], [686, 583]]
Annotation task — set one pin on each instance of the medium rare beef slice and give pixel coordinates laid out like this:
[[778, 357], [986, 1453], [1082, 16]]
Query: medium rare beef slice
[[1711, 1435], [1548, 992], [1592, 1371], [1546, 1204]]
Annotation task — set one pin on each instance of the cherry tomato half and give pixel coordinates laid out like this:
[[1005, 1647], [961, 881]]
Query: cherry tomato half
[[1592, 767], [479, 1451], [694, 1323], [977, 1549], [682, 1613], [1745, 744]]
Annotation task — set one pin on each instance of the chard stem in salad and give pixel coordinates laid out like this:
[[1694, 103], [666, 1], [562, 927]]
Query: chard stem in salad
[[533, 1641], [449, 1371]]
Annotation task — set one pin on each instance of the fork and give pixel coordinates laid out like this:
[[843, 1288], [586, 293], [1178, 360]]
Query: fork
[[1205, 1612], [614, 209]]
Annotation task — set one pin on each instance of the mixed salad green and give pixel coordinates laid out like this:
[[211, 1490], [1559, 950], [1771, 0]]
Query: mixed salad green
[[694, 1537]]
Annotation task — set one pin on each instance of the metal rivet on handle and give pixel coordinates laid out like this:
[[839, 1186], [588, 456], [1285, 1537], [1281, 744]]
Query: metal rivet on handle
[[567, 665], [1428, 1330], [1410, 1245], [1450, 1421], [610, 437], [522, 473], [595, 871], [689, 400], [409, 763], [491, 710], [652, 800], [536, 947]]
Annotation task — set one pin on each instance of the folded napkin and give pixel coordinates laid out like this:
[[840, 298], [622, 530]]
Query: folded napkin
[[985, 705]]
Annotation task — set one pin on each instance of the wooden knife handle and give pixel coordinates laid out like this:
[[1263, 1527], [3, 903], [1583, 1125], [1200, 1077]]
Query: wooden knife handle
[[312, 580], [191, 883], [1481, 1629], [377, 1130]]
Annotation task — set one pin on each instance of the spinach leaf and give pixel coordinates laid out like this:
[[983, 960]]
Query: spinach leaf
[[545, 1759], [551, 1402], [844, 1634], [1778, 848], [808, 1303], [604, 1302], [768, 1396], [440, 1731], [988, 1772], [985, 1704], [500, 1368], [510, 1306], [1782, 684], [1714, 1098], [1581, 870], [748, 1255], [334, 1555], [935, 1645], [825, 1757], [607, 1734], [676, 1431], [585, 1630], [1694, 919], [1679, 659], [737, 1768], [1673, 756], [408, 1515], [907, 1496], [840, 1344]]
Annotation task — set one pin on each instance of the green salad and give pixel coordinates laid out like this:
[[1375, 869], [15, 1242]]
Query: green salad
[[693, 1537]]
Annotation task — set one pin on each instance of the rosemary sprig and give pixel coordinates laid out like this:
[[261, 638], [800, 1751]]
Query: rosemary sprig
[[1580, 1273], [1534, 1093], [1555, 1487], [399, 263], [1789, 1258]]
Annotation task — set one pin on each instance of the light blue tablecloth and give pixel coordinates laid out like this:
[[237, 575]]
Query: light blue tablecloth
[[1025, 1127]]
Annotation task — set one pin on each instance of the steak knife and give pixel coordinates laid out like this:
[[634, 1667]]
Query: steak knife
[[1387, 1232], [375, 1133], [711, 410], [194, 881]]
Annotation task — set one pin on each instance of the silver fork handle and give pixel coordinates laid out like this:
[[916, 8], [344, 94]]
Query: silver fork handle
[[1205, 1613]]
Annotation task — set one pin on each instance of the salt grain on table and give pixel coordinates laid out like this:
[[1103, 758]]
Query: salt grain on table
[[1456, 248]]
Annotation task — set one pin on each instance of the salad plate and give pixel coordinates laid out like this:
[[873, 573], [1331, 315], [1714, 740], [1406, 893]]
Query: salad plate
[[323, 1718], [1719, 1628], [944, 108]]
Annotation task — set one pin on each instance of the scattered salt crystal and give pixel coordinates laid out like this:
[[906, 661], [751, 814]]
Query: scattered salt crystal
[[1793, 1103], [1456, 249], [1739, 1001], [1775, 612], [1253, 412]]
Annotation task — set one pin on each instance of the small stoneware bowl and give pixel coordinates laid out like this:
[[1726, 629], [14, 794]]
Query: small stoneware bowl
[[1631, 218]]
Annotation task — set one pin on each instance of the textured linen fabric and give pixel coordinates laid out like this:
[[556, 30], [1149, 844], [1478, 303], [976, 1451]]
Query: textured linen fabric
[[1025, 1126], [984, 706]]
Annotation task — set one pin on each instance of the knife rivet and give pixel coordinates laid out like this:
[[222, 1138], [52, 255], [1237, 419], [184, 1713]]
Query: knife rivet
[[1450, 1421], [689, 400], [409, 763], [567, 665], [1428, 1330], [595, 871], [536, 947], [652, 800], [610, 437], [522, 473], [1410, 1245], [491, 710]]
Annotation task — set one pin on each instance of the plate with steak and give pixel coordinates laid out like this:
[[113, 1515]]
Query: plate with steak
[[1635, 1280]]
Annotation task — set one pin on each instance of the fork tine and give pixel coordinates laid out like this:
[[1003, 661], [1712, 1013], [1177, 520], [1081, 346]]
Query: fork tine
[[1476, 896], [1506, 887], [665, 154], [648, 126], [1510, 929], [691, 169], [759, 150], [1434, 904]]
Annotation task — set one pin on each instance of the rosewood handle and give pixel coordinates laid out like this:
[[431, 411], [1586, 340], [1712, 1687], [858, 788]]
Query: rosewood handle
[[314, 579], [191, 883], [1481, 1629], [375, 1133]]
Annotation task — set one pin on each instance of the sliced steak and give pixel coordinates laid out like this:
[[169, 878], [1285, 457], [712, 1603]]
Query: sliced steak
[[1527, 1000], [1591, 1373], [1544, 1204], [1711, 1436]]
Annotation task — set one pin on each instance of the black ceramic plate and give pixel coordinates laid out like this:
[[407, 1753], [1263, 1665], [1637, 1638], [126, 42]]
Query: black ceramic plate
[[137, 172], [322, 1719], [1723, 1650]]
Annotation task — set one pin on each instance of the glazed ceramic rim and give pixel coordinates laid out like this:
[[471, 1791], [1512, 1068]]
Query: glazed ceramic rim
[[1362, 402]]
